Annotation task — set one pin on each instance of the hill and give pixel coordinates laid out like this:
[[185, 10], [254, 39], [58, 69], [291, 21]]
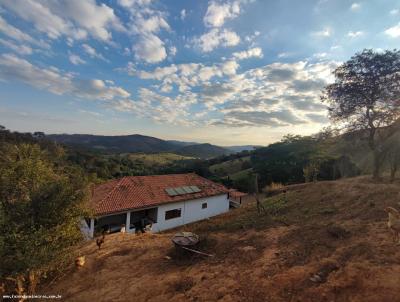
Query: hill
[[324, 241], [231, 166], [242, 148], [202, 151], [115, 144], [157, 159], [137, 144]]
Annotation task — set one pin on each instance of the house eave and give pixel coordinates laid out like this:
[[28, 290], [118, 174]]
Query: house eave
[[98, 215]]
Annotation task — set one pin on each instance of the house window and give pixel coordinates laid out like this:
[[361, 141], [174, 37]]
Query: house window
[[171, 214], [204, 205]]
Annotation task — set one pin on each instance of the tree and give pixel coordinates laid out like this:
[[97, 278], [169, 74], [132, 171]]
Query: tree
[[365, 97], [391, 150], [394, 161], [41, 204], [283, 162]]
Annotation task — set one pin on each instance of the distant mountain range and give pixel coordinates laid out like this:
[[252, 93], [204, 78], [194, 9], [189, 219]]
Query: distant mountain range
[[243, 148], [140, 143]]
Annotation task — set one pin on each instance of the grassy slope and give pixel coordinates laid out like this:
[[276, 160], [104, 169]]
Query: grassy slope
[[336, 229], [159, 159], [241, 174], [229, 167]]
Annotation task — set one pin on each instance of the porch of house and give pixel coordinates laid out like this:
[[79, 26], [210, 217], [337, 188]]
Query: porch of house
[[235, 198], [129, 221]]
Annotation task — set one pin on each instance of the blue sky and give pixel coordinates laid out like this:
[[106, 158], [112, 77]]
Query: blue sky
[[228, 72]]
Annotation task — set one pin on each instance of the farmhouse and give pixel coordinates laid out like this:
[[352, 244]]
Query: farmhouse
[[165, 201]]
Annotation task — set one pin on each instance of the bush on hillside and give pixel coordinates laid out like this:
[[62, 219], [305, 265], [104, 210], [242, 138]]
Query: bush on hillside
[[41, 203]]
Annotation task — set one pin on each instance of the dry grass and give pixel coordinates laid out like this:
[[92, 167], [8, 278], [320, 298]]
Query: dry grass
[[335, 230], [273, 187]]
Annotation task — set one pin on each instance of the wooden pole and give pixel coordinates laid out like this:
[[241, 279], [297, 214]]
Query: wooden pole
[[260, 207]]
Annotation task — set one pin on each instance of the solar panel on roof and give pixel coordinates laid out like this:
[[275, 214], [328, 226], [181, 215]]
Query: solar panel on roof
[[180, 191], [195, 189], [187, 189], [171, 192]]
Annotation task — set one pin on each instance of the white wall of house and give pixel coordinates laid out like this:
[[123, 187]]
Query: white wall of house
[[191, 210]]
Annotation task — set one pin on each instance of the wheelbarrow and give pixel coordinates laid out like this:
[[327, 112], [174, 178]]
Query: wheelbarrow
[[186, 241]]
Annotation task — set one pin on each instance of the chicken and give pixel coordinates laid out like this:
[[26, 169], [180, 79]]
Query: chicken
[[393, 223], [100, 241], [80, 261]]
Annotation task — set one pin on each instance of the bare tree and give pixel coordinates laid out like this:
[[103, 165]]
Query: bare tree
[[365, 97]]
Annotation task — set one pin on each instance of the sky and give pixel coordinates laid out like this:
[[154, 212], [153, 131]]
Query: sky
[[227, 72]]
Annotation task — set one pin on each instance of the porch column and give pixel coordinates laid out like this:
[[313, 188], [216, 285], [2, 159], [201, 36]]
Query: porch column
[[128, 222], [91, 229]]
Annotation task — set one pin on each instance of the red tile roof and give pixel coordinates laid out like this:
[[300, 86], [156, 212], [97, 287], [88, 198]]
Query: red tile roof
[[236, 194], [135, 192]]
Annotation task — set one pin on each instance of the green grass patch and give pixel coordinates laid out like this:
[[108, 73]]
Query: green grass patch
[[241, 174], [276, 205], [230, 167], [158, 159]]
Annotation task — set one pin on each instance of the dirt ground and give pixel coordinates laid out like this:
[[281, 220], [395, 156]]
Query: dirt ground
[[325, 241]]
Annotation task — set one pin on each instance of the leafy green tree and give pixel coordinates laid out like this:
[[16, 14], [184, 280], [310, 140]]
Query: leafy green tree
[[41, 203], [284, 161], [391, 150], [365, 97]]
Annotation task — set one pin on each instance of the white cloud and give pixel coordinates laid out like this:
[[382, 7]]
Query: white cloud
[[336, 47], [76, 60], [98, 89], [256, 97], [146, 23], [92, 52], [250, 38], [183, 14], [253, 98], [130, 69], [394, 31], [173, 50], [284, 54], [355, 6], [90, 113], [185, 76], [133, 3], [230, 67], [327, 32], [20, 48], [150, 49], [17, 35], [159, 108], [41, 17], [255, 52], [96, 19], [320, 55], [216, 38], [355, 34], [72, 18], [13, 68], [152, 24], [217, 13], [394, 12]]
